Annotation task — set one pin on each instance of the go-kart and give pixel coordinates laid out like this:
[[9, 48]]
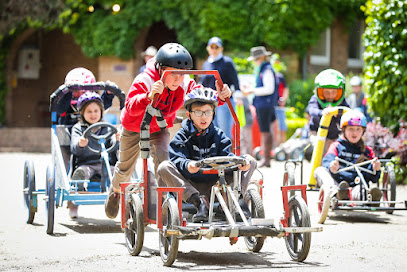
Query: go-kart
[[142, 203], [327, 198], [59, 186]]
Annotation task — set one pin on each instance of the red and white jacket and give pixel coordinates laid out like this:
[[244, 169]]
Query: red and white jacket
[[137, 101]]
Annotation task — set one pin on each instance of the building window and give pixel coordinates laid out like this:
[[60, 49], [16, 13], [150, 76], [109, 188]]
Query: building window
[[355, 45], [321, 52]]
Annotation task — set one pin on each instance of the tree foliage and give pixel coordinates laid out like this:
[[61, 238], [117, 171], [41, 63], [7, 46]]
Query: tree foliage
[[385, 40], [279, 24]]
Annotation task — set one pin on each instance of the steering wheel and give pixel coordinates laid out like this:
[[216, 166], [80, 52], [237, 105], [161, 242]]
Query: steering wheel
[[90, 133], [225, 163]]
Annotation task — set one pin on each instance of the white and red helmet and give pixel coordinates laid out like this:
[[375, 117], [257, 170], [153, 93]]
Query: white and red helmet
[[79, 75]]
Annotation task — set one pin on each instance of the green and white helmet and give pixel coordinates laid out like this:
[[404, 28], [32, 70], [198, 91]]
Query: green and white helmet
[[330, 79]]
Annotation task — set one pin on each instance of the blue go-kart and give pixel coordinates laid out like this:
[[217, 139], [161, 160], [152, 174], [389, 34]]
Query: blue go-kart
[[59, 186]]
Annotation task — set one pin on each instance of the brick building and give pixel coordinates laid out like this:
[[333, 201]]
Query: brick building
[[27, 116]]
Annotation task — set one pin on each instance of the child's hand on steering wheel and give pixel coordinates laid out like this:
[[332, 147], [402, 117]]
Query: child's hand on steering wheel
[[334, 166], [376, 164], [192, 168], [83, 142], [244, 167]]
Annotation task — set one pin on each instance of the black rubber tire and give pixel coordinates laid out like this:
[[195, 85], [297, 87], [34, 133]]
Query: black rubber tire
[[29, 189], [389, 186], [324, 202], [169, 245], [50, 200], [134, 233], [297, 153], [280, 155], [298, 244], [256, 208]]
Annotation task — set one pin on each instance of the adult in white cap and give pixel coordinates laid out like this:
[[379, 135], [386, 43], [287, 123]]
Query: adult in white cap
[[357, 99], [265, 100], [150, 52], [226, 67]]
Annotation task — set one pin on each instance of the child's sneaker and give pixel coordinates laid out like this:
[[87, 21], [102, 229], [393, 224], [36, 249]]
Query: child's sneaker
[[376, 194], [343, 192], [73, 210], [112, 204], [79, 174]]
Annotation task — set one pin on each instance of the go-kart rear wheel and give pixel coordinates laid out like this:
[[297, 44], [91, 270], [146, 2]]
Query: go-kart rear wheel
[[257, 153], [169, 245], [389, 186], [134, 232], [257, 211], [298, 244], [28, 190], [324, 202], [50, 198]]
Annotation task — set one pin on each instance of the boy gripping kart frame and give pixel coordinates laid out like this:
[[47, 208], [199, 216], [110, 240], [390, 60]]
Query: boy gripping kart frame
[[145, 87], [198, 139]]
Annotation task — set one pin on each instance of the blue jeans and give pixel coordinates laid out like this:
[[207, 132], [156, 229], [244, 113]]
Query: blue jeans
[[224, 119]]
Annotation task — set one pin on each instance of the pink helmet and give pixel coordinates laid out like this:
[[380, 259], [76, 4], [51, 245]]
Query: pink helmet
[[79, 75]]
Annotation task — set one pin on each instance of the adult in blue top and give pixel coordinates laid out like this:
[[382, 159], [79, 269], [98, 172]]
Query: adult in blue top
[[265, 100], [226, 67]]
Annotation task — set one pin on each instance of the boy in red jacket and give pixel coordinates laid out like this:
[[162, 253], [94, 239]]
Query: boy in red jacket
[[170, 56]]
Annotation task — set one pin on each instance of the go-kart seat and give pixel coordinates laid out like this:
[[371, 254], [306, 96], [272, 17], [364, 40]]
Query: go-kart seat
[[64, 138]]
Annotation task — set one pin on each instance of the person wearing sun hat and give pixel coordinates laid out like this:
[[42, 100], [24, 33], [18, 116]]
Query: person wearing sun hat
[[150, 52], [265, 100], [226, 67]]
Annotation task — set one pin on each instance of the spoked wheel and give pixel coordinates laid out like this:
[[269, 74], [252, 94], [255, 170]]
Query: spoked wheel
[[134, 232], [169, 244], [50, 199], [324, 202], [257, 211], [289, 177], [389, 186], [28, 190], [298, 244]]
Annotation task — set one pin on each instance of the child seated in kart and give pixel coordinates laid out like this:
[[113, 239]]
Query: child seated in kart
[[349, 147], [88, 163], [198, 139], [329, 92], [67, 105]]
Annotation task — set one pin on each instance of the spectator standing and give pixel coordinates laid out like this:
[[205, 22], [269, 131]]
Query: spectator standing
[[226, 67], [265, 99], [357, 99], [147, 55]]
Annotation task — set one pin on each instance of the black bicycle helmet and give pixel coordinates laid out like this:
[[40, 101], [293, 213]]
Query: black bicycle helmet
[[174, 55]]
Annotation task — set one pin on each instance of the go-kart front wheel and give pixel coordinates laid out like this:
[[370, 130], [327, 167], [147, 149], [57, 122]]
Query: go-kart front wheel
[[28, 190], [50, 198], [324, 202], [134, 232], [169, 244], [298, 244], [257, 211]]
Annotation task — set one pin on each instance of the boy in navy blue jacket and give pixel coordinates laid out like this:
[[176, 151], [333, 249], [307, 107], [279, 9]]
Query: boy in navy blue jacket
[[198, 139], [351, 148]]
